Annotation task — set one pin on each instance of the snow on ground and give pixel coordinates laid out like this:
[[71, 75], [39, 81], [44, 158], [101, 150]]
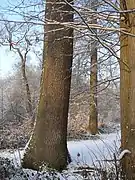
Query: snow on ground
[[92, 151], [82, 152]]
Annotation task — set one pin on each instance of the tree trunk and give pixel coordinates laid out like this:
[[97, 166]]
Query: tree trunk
[[93, 119], [48, 144], [25, 80], [2, 102], [127, 90], [78, 73], [29, 102]]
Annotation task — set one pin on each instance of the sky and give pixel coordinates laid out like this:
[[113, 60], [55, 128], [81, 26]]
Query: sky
[[8, 59]]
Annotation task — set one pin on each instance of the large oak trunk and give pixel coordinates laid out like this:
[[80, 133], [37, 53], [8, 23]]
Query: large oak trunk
[[48, 144]]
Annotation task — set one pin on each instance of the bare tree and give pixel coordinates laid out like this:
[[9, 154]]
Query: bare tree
[[93, 119], [22, 47]]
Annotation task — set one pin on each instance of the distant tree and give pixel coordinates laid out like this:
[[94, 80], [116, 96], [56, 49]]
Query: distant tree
[[22, 51], [15, 93], [25, 79], [48, 144], [93, 118], [2, 103]]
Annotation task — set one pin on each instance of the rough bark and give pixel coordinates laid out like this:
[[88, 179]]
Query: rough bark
[[48, 144], [93, 119], [127, 90]]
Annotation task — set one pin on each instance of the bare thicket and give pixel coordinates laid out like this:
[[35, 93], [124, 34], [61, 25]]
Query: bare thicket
[[23, 35]]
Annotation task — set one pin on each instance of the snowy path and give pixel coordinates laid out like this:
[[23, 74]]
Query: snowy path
[[82, 152]]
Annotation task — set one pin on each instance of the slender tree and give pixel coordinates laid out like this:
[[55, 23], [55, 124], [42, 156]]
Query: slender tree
[[27, 87], [127, 89], [93, 119], [48, 144], [23, 55], [2, 100]]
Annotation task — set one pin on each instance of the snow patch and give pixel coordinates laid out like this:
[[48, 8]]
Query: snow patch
[[123, 153]]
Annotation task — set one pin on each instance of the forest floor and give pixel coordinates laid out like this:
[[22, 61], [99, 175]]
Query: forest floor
[[15, 135], [91, 159]]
